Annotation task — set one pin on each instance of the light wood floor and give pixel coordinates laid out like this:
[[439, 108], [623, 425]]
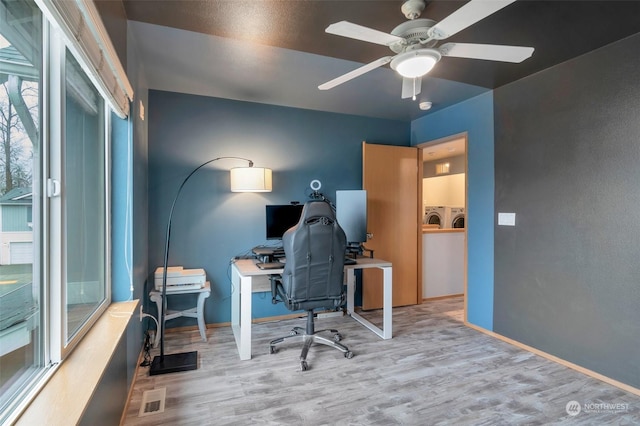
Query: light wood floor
[[434, 371]]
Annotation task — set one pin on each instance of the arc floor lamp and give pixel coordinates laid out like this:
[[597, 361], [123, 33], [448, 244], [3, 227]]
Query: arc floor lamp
[[243, 179]]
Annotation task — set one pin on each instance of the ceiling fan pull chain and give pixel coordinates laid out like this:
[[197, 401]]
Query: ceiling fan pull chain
[[414, 88]]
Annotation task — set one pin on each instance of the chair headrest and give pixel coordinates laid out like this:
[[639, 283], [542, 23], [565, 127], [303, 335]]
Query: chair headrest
[[316, 208]]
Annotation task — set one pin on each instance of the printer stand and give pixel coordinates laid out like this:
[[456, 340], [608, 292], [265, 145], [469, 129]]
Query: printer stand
[[197, 312]]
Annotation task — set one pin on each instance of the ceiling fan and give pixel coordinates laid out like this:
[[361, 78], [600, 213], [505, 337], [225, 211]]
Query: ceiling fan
[[415, 43]]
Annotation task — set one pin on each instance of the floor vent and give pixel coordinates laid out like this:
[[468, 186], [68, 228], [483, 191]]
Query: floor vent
[[152, 402]]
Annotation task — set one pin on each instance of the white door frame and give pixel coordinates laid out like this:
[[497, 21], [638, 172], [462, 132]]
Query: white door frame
[[424, 146]]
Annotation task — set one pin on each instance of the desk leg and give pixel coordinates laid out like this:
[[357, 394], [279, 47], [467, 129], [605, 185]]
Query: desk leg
[[235, 299], [387, 304], [245, 318], [351, 290], [241, 313]]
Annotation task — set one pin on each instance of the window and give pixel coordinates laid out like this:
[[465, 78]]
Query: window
[[21, 327], [54, 201], [84, 198]]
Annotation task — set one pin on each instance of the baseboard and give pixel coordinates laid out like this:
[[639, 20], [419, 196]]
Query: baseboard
[[590, 373], [448, 296]]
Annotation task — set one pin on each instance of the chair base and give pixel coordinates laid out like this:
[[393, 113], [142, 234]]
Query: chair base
[[298, 334]]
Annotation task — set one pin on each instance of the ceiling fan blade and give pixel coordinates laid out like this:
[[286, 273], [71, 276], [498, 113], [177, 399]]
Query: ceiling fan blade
[[358, 32], [489, 52], [411, 87], [467, 15], [355, 73]]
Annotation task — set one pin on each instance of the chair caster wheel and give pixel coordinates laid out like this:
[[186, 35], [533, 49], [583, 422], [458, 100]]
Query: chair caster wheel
[[348, 354], [304, 366], [272, 350], [337, 337]]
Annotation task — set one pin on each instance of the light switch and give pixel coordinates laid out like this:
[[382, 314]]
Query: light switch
[[507, 219]]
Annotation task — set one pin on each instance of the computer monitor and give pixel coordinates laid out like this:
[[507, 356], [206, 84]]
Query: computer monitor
[[279, 218], [351, 213]]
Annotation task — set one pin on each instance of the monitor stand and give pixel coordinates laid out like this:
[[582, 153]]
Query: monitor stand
[[268, 254], [357, 249]]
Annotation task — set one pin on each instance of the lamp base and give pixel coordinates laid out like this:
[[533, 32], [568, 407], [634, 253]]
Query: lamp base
[[174, 363]]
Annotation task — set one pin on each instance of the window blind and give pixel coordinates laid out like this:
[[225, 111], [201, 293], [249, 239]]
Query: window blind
[[82, 26]]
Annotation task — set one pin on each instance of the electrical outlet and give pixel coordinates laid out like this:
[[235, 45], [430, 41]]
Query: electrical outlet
[[507, 219]]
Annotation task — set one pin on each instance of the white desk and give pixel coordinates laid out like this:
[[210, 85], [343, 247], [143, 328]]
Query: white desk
[[244, 270], [197, 312]]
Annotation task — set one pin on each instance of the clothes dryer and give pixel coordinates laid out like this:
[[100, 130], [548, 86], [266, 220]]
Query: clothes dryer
[[435, 215], [457, 217]]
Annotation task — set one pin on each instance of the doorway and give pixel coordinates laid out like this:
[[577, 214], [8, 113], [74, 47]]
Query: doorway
[[444, 246]]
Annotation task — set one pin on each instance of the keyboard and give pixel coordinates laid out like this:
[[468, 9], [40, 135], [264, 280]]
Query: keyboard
[[270, 265]]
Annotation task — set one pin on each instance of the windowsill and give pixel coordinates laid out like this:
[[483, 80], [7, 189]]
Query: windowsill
[[63, 399]]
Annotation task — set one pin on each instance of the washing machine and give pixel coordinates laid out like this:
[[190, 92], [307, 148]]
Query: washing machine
[[457, 217], [435, 215]]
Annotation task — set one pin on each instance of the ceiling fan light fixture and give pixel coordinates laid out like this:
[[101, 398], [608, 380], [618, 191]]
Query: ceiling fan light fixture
[[416, 66], [415, 63]]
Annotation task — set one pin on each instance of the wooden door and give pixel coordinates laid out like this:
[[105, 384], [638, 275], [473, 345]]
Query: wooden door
[[392, 176]]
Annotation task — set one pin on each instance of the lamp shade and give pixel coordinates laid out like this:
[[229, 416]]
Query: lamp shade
[[250, 179]]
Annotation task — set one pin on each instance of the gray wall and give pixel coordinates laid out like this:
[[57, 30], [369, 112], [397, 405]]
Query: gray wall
[[567, 159]]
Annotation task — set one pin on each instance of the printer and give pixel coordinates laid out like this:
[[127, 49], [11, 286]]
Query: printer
[[180, 279]]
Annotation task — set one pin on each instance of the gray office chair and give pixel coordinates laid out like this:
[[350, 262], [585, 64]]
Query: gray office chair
[[313, 275]]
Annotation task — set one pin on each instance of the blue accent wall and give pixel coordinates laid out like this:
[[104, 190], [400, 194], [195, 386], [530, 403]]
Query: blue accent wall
[[210, 224], [121, 258], [475, 117]]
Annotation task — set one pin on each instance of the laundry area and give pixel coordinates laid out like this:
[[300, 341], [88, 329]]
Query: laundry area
[[444, 220]]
